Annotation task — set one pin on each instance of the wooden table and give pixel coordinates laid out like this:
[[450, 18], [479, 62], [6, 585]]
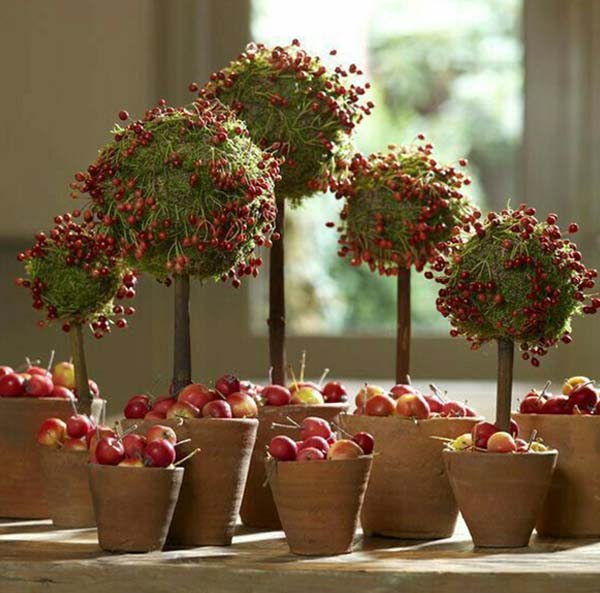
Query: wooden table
[[36, 557]]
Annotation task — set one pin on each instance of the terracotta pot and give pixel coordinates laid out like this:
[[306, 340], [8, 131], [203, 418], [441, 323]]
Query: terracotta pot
[[500, 495], [133, 505], [212, 489], [66, 487], [22, 483], [408, 496], [572, 507], [319, 502], [258, 508]]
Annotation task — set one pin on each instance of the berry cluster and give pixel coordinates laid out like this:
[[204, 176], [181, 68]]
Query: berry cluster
[[295, 107], [399, 207], [517, 278], [75, 273], [184, 190]]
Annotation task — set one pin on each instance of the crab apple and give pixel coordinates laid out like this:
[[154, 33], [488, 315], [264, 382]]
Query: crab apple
[[162, 404], [5, 370], [71, 444], [160, 431], [533, 403], [315, 426], [12, 385], [217, 408], [412, 405], [436, 405], [134, 445], [94, 389], [183, 410], [522, 445], [367, 392], [131, 462], [297, 385], [315, 442], [97, 433], [79, 425], [481, 433], [470, 412], [584, 396], [501, 442], [52, 432], [136, 408], [64, 374], [283, 448], [227, 384], [196, 394], [39, 386], [334, 392], [276, 395], [454, 409], [401, 388], [557, 404], [160, 453], [307, 396], [310, 454], [365, 441], [379, 405], [242, 405], [344, 449], [154, 415], [109, 451], [572, 382], [35, 370], [62, 392]]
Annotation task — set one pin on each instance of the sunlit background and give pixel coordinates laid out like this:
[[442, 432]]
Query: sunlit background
[[450, 68]]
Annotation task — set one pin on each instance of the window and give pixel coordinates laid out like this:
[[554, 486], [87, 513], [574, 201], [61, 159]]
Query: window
[[452, 69]]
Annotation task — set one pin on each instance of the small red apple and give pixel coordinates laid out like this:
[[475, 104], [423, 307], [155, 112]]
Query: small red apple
[[334, 392], [283, 448], [573, 382], [35, 370], [71, 444], [533, 403], [162, 404], [401, 388], [344, 449], [52, 432], [367, 392], [62, 392], [481, 433], [159, 431], [314, 442], [365, 441], [227, 384], [159, 453], [134, 445], [137, 407], [310, 454], [557, 404], [276, 395], [379, 405], [314, 426], [436, 405], [217, 408], [109, 451], [412, 405], [39, 386], [183, 410], [584, 396], [79, 425], [5, 370], [196, 394], [12, 385], [501, 442], [454, 409], [242, 405]]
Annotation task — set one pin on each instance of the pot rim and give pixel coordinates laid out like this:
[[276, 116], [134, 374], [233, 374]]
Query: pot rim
[[61, 451], [95, 466], [23, 398], [321, 461], [418, 421], [343, 405], [499, 455], [593, 417]]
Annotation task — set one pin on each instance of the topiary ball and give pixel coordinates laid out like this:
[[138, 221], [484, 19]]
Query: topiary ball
[[399, 207], [295, 107], [185, 190], [515, 278], [75, 275]]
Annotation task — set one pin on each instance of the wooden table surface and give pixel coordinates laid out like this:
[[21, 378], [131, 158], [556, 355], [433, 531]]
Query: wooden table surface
[[36, 557]]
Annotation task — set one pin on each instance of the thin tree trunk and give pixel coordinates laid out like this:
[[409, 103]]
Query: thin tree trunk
[[182, 356], [403, 327], [504, 388], [276, 319], [81, 375]]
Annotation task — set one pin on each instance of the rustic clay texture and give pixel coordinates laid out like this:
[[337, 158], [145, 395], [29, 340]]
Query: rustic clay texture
[[66, 487], [213, 485], [22, 485], [258, 508], [500, 495], [133, 505], [572, 507], [319, 502], [408, 495]]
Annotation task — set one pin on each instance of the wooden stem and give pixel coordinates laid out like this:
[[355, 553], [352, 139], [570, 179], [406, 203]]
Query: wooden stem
[[506, 352], [276, 321], [403, 327], [81, 374], [182, 355]]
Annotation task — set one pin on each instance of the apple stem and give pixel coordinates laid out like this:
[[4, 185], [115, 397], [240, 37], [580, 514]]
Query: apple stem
[[279, 425], [543, 393], [403, 327], [133, 427], [50, 361], [270, 375], [408, 379], [182, 442], [437, 391], [364, 402], [323, 376], [293, 376], [187, 457], [81, 374], [296, 424], [445, 439], [532, 438], [182, 357], [302, 365], [582, 385], [506, 350], [340, 429], [73, 406]]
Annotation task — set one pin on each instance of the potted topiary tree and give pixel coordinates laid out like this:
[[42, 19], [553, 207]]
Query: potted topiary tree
[[399, 208], [303, 113], [514, 279], [74, 275], [187, 193]]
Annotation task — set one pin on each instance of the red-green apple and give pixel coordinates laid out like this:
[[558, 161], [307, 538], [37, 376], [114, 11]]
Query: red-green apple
[[52, 432], [344, 449]]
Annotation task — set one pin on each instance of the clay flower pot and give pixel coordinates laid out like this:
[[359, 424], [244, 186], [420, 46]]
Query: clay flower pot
[[408, 496], [22, 482], [133, 505], [319, 502], [258, 508], [572, 507], [213, 485], [500, 495], [66, 487]]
